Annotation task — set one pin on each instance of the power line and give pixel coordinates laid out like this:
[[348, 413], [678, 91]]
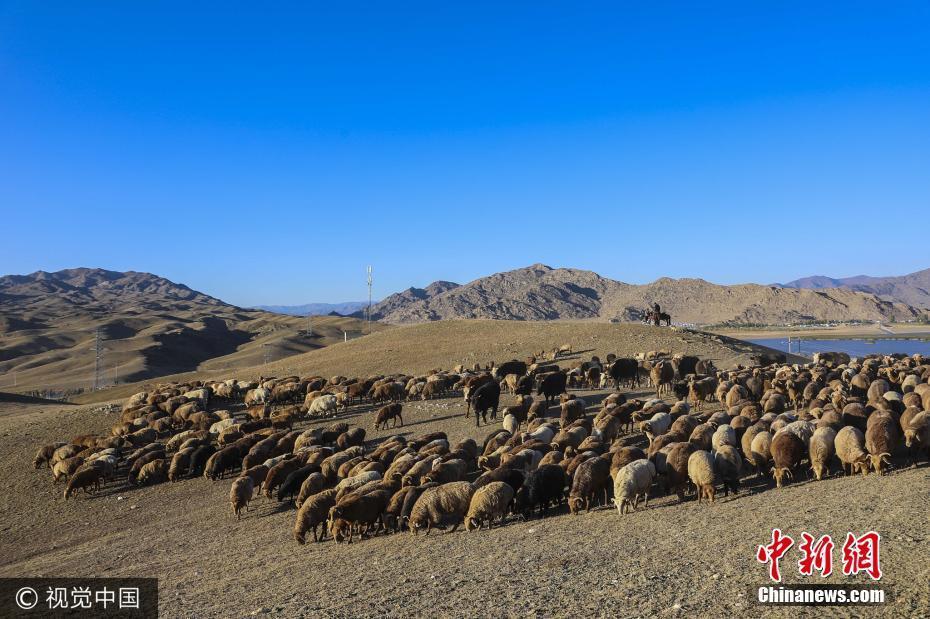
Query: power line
[[369, 299], [97, 359]]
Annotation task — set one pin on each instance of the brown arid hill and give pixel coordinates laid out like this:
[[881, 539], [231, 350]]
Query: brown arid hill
[[539, 292], [913, 289], [148, 325]]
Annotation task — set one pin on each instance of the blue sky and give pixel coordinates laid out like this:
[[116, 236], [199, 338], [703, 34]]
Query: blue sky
[[267, 153]]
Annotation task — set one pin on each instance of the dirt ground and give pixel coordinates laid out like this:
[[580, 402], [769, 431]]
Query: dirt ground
[[669, 559]]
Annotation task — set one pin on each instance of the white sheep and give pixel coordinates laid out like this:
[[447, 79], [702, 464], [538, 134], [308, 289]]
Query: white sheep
[[323, 406], [702, 472], [723, 435], [632, 482], [656, 426], [487, 503]]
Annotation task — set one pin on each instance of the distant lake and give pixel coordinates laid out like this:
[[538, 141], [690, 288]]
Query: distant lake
[[854, 347]]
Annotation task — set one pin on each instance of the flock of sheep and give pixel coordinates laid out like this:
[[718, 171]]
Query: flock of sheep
[[551, 447]]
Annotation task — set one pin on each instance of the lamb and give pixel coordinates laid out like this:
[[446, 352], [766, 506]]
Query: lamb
[[387, 413], [702, 472], [511, 476], [441, 506], [511, 423], [702, 436], [240, 494], [699, 391], [590, 479], [787, 451], [662, 374], [87, 479], [917, 435], [728, 464], [312, 513], [489, 502], [850, 449], [821, 451], [632, 482]]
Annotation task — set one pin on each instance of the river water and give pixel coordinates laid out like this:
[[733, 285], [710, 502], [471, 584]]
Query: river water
[[854, 347]]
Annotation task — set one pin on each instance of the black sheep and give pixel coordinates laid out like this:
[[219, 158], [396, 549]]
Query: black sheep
[[543, 487], [485, 397], [552, 386], [295, 480], [510, 476], [624, 369]]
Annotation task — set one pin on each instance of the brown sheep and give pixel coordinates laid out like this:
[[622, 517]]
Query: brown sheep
[[702, 473], [787, 452], [44, 455], [313, 512], [441, 506], [240, 493], [359, 510], [153, 472], [917, 435], [490, 501], [278, 473], [882, 435], [591, 479], [387, 413], [63, 469], [676, 467], [87, 479]]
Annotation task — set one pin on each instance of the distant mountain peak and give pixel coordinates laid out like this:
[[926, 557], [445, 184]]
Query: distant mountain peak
[[540, 292], [913, 288]]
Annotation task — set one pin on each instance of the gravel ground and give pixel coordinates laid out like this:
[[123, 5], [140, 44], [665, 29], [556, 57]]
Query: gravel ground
[[669, 559]]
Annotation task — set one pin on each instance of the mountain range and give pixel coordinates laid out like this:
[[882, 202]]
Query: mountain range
[[540, 292], [316, 309], [148, 326], [913, 289]]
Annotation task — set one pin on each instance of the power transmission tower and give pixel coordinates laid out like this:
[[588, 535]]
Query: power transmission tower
[[369, 299], [309, 325], [96, 359], [266, 353]]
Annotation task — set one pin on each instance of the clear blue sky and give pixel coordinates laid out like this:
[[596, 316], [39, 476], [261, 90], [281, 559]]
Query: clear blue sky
[[265, 153]]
